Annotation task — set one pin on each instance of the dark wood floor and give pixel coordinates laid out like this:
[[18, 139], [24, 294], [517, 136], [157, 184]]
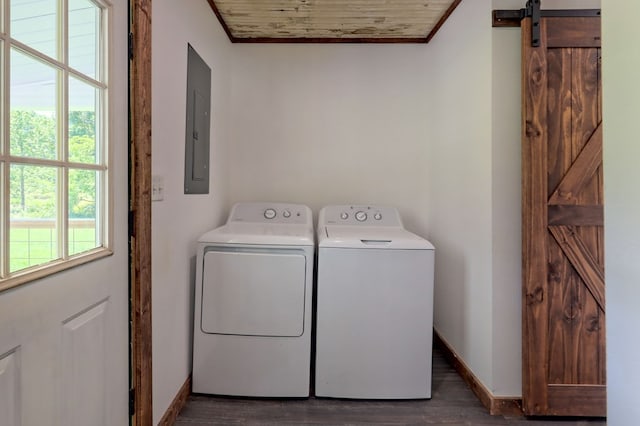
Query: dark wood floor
[[452, 403]]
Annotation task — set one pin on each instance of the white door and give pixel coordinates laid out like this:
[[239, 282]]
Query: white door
[[64, 338]]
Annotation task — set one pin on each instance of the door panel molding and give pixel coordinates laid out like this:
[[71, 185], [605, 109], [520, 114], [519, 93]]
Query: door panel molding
[[10, 378], [84, 366]]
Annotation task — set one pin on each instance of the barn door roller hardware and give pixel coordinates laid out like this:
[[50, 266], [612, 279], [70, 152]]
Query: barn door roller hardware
[[512, 18]]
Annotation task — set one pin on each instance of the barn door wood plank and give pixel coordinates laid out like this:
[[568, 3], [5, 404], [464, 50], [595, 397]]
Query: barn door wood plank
[[561, 317], [573, 32], [559, 159], [534, 219], [581, 171], [586, 118], [575, 215], [581, 259], [577, 400], [561, 279]]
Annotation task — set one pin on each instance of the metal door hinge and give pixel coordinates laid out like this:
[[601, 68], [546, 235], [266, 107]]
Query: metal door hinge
[[130, 46], [132, 402]]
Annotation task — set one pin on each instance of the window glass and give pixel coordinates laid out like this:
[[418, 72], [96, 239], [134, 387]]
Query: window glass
[[83, 196], [33, 108], [53, 163], [33, 215], [83, 36], [35, 23], [82, 122]]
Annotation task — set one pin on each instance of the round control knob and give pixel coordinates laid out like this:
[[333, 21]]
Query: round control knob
[[286, 213], [361, 216], [377, 216], [269, 213], [344, 215]]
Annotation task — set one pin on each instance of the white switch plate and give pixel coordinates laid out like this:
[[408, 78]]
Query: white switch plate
[[157, 188]]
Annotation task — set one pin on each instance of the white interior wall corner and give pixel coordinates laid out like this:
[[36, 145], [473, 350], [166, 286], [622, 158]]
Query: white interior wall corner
[[175, 24], [506, 209], [460, 177]]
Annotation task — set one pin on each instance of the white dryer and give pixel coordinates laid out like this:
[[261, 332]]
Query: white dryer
[[253, 293], [374, 306]]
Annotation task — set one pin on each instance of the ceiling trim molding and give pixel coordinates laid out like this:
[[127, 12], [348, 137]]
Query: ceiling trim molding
[[329, 40], [443, 20], [221, 20]]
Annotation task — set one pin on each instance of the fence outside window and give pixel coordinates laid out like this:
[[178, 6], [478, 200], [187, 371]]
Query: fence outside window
[[35, 241]]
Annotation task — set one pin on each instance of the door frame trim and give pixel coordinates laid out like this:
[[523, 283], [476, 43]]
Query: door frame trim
[[140, 212]]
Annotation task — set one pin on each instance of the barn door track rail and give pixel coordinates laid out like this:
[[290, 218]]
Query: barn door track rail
[[512, 18]]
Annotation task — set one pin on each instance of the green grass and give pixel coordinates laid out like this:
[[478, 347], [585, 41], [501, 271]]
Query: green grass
[[35, 246]]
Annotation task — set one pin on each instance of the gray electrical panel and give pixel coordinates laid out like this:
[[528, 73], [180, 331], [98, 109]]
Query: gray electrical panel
[[196, 155]]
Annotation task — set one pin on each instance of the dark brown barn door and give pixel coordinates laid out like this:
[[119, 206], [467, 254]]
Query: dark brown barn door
[[562, 211]]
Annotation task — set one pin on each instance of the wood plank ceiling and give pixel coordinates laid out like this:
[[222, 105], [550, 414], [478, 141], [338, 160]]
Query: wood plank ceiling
[[332, 21]]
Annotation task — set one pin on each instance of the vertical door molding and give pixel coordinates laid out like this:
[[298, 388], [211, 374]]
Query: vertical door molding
[[140, 210]]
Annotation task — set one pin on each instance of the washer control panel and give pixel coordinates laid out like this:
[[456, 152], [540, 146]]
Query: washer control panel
[[360, 215], [270, 213]]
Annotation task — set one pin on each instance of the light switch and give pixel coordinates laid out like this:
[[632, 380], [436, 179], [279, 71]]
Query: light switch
[[157, 188]]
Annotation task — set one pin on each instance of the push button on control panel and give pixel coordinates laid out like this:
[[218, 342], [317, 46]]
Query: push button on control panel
[[269, 213]]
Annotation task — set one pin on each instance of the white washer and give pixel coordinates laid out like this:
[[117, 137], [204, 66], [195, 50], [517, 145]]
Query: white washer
[[253, 293], [374, 306]]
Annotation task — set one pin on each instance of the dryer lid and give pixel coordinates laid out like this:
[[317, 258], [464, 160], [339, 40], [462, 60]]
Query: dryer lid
[[372, 238]]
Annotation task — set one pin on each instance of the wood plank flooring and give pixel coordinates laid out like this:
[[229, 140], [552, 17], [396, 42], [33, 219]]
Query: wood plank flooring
[[452, 403]]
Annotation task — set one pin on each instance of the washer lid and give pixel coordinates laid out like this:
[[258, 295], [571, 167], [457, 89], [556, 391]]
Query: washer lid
[[260, 233], [371, 238]]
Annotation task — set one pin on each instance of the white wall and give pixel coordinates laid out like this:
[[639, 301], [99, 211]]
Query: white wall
[[331, 124], [180, 219], [506, 218], [621, 62], [460, 184]]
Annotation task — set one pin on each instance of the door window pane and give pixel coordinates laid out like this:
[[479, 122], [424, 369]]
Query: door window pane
[[82, 122], [83, 36], [33, 230], [83, 193], [35, 23], [33, 108], [53, 202]]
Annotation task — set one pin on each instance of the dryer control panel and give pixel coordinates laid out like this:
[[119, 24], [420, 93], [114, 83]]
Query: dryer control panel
[[354, 215], [270, 213]]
